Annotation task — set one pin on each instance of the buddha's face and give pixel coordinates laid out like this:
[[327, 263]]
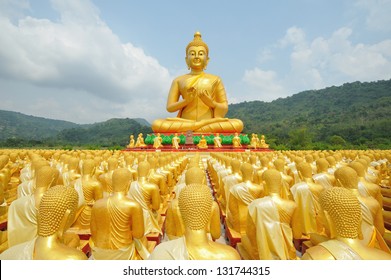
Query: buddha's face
[[197, 58]]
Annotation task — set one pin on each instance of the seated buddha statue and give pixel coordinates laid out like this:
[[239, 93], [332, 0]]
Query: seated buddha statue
[[117, 224], [55, 214], [227, 182], [204, 102], [239, 197], [131, 142], [148, 196], [92, 191], [323, 177], [175, 141], [342, 213], [287, 180], [157, 141], [262, 143], [236, 141], [174, 223], [22, 213], [140, 141], [365, 187], [217, 141], [195, 203], [306, 195], [372, 225], [203, 144], [159, 180], [105, 178], [271, 224]]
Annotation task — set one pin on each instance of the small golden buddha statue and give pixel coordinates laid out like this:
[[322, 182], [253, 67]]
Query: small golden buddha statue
[[343, 216], [92, 191], [157, 141], [204, 102], [236, 142], [148, 196], [118, 212], [306, 194], [202, 144], [195, 204], [272, 223], [287, 180], [217, 141], [239, 197], [140, 141], [323, 177], [262, 143], [105, 178], [253, 141], [55, 214], [131, 142], [227, 182], [175, 141], [365, 187]]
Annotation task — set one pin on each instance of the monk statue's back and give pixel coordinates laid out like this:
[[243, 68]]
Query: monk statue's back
[[204, 102]]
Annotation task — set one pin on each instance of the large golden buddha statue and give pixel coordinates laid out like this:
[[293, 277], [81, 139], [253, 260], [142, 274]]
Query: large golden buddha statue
[[204, 102]]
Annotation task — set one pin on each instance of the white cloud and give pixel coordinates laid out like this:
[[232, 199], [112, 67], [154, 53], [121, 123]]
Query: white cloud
[[321, 62], [263, 85], [378, 14], [79, 57]]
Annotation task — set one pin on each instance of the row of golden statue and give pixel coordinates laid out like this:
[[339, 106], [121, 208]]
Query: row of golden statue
[[255, 142], [275, 205]]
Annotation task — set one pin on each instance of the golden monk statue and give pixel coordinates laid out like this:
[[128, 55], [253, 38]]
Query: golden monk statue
[[239, 197], [92, 191], [174, 223], [372, 225], [22, 213], [272, 223], [204, 102], [148, 196], [175, 141], [157, 141], [306, 195], [262, 143], [131, 142], [343, 217], [195, 204], [217, 141], [55, 214], [236, 142], [117, 223], [365, 187], [140, 141], [203, 144]]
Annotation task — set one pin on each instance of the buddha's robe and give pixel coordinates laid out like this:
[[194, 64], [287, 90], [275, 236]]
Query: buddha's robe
[[22, 251], [274, 238], [333, 249], [22, 220], [126, 247], [171, 250], [151, 218]]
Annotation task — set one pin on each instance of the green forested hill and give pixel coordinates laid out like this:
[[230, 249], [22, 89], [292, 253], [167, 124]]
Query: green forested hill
[[17, 125], [353, 115], [19, 130], [114, 132]]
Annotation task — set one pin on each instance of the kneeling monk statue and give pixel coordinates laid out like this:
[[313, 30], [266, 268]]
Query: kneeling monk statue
[[204, 102]]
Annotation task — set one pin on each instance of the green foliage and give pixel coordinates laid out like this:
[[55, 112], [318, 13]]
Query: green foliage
[[357, 112]]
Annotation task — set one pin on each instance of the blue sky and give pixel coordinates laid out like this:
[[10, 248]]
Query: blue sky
[[89, 61]]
